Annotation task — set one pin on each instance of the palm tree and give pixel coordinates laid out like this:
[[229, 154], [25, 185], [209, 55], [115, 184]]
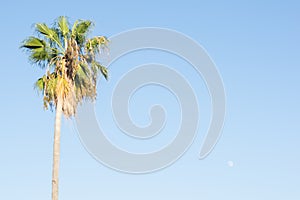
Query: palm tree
[[71, 71]]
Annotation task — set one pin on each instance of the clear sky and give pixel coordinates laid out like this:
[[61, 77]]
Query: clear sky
[[256, 47]]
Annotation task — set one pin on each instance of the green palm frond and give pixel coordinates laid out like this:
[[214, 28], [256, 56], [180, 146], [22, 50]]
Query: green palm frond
[[84, 70], [102, 69], [40, 52], [40, 57], [40, 84], [33, 43], [104, 72], [94, 44], [80, 30], [85, 85], [63, 25], [73, 31], [49, 33]]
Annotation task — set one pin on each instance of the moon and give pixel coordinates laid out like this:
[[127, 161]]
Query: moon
[[230, 163]]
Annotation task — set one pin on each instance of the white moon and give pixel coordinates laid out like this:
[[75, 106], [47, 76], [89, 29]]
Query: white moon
[[230, 163]]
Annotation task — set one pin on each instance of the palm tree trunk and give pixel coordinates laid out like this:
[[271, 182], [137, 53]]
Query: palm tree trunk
[[56, 150]]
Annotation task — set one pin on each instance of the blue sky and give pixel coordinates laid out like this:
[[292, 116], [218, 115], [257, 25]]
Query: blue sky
[[255, 45]]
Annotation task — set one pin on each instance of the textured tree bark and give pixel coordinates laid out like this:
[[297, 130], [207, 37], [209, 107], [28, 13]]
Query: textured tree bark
[[56, 150]]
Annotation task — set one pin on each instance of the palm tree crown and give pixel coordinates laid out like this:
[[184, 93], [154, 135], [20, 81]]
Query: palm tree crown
[[69, 58]]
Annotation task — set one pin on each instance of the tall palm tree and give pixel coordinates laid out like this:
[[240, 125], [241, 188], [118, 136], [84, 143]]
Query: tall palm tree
[[71, 71]]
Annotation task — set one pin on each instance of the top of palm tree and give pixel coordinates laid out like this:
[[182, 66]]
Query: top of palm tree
[[69, 59]]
